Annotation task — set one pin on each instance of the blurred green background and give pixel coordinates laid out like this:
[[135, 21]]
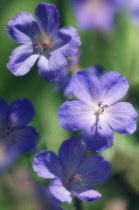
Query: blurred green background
[[116, 50]]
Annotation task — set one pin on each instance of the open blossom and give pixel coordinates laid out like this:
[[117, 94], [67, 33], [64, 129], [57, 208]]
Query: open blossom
[[41, 40], [95, 13], [71, 172], [15, 135], [96, 112]]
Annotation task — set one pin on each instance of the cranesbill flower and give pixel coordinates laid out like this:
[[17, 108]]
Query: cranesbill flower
[[15, 135], [132, 7], [96, 112], [97, 14], [41, 41], [71, 172]]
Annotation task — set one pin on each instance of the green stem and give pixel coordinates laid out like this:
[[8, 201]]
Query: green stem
[[78, 203]]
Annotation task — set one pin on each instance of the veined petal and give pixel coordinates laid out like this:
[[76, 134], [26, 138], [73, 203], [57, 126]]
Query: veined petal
[[71, 153], [21, 60], [85, 193], [86, 87], [21, 112], [122, 117], [25, 138], [67, 41], [46, 164], [114, 86], [99, 136], [75, 114], [47, 18], [94, 169], [23, 28], [3, 110], [59, 191], [52, 67]]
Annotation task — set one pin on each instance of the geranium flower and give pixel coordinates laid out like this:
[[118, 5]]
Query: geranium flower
[[71, 172], [41, 41], [15, 135], [97, 14], [96, 112]]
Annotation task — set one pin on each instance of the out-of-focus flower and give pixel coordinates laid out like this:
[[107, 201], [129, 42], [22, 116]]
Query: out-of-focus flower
[[15, 135], [132, 7], [96, 112], [71, 172], [97, 14], [41, 40]]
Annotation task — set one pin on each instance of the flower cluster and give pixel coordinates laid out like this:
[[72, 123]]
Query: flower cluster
[[95, 110]]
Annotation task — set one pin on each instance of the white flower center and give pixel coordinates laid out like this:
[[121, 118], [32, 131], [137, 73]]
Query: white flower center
[[100, 108]]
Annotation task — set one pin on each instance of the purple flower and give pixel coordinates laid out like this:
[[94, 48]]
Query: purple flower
[[96, 112], [41, 41], [133, 10], [95, 13], [71, 172], [15, 135]]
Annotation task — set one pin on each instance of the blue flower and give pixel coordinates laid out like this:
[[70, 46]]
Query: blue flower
[[71, 172], [96, 112], [15, 135], [98, 14], [41, 41]]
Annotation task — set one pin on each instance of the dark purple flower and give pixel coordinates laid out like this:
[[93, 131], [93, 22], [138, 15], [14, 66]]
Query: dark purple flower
[[71, 172], [95, 13], [41, 41], [15, 135], [96, 112]]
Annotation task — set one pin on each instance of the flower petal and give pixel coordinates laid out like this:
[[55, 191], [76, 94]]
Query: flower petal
[[85, 86], [21, 112], [75, 114], [21, 60], [98, 137], [114, 87], [85, 193], [46, 164], [59, 191], [47, 18], [3, 110], [122, 117], [67, 41], [52, 68], [94, 169], [25, 138], [23, 28], [71, 153]]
